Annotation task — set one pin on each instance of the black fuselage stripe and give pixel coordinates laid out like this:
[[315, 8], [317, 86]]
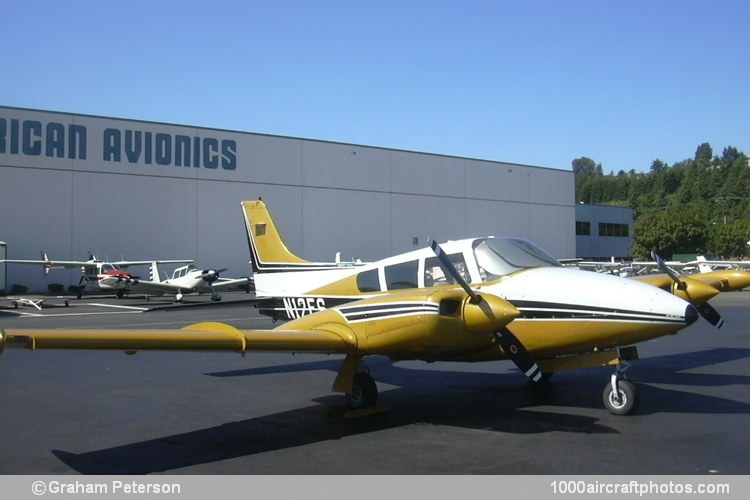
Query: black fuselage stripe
[[526, 304], [596, 316], [584, 313], [379, 307], [388, 314]]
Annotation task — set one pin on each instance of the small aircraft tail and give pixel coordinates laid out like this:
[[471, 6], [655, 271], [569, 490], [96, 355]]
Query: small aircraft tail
[[267, 249], [47, 266], [702, 266], [153, 272]]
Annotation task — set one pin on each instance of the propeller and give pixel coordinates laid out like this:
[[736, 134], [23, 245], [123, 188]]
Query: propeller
[[705, 309], [448, 265], [509, 342], [211, 275], [518, 354]]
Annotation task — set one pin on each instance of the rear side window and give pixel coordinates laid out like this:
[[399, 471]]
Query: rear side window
[[402, 275], [367, 281]]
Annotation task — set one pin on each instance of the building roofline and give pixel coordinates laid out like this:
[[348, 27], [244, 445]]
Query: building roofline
[[152, 122]]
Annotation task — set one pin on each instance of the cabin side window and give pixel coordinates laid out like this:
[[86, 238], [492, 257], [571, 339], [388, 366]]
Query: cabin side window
[[435, 274], [368, 281], [403, 275]]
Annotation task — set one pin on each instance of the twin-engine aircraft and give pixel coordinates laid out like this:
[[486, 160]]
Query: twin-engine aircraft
[[521, 305], [97, 274]]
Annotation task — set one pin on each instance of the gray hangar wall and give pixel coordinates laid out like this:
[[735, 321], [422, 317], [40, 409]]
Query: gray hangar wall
[[70, 184]]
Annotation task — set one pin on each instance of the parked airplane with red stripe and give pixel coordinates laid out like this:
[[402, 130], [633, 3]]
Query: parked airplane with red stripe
[[97, 274]]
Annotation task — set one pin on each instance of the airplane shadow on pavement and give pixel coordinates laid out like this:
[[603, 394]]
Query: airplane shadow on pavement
[[491, 402]]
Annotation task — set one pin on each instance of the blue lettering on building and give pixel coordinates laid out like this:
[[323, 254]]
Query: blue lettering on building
[[55, 145], [133, 145], [33, 138], [121, 146], [136, 146]]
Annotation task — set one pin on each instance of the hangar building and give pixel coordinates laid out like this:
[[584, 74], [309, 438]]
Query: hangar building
[[603, 232], [138, 190]]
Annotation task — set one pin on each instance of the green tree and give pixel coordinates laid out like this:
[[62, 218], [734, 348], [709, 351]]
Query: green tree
[[657, 166], [704, 152]]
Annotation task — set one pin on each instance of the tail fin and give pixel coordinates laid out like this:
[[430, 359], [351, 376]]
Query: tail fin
[[153, 272], [267, 248], [702, 266], [47, 265]]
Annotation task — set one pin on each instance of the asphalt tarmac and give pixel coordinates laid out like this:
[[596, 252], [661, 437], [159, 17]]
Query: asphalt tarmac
[[213, 413]]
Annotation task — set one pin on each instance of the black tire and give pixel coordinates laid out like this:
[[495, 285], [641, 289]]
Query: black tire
[[364, 392], [627, 402], [120, 293]]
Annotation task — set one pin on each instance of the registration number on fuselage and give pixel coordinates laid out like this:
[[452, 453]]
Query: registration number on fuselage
[[296, 307]]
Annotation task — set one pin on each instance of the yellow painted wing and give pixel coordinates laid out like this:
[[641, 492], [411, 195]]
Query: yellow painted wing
[[658, 280], [196, 337], [695, 291]]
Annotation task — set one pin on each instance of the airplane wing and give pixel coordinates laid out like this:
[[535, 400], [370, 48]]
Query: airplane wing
[[727, 280], [658, 280], [50, 263], [403, 317], [223, 283], [153, 286], [126, 263], [196, 337]]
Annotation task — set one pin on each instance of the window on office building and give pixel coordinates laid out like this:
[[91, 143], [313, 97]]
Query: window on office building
[[611, 229], [583, 228]]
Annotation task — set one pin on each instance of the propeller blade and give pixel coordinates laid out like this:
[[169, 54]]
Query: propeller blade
[[518, 354], [448, 265], [710, 314], [666, 269], [705, 309]]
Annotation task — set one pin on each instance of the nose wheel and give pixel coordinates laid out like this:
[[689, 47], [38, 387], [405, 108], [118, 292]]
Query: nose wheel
[[620, 396]]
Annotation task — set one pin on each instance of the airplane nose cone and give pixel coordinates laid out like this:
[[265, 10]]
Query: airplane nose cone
[[691, 314]]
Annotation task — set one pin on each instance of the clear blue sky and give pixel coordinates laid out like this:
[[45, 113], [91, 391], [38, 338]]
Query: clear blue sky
[[536, 82]]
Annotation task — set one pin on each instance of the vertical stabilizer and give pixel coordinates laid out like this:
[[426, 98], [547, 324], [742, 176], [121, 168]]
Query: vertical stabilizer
[[153, 272], [702, 266], [267, 248]]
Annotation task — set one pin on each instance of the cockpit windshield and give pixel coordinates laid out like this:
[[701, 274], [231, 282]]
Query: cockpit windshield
[[497, 257]]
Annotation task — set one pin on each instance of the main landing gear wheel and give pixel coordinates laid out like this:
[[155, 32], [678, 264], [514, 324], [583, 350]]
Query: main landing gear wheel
[[622, 403], [364, 392], [120, 293]]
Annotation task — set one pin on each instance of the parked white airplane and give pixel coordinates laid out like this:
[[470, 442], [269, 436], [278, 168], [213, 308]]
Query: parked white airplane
[[188, 279], [97, 273], [36, 302]]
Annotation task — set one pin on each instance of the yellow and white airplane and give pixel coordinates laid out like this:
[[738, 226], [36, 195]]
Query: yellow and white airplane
[[522, 305]]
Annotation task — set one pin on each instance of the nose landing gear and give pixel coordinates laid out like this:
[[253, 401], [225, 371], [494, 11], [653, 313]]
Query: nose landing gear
[[620, 396]]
